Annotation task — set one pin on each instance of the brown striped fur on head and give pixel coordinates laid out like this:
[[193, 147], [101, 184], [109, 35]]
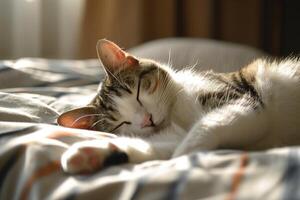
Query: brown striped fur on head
[[126, 77]]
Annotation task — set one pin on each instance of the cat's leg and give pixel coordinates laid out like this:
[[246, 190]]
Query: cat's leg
[[92, 155], [231, 126]]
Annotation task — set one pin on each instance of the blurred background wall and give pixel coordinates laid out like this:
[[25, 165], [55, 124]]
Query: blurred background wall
[[71, 28], [40, 28]]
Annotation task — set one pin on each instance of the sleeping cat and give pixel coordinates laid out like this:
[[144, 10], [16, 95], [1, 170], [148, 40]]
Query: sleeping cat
[[159, 113]]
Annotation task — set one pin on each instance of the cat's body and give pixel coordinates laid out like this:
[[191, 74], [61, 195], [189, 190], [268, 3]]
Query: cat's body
[[159, 113]]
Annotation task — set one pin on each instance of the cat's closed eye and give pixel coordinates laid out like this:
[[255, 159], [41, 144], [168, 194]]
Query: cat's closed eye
[[150, 84], [146, 83], [129, 81]]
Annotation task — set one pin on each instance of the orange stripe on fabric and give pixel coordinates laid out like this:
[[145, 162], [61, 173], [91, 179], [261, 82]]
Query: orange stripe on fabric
[[237, 177], [59, 134], [38, 174]]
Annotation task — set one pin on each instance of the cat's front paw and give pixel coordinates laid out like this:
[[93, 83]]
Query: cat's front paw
[[90, 156]]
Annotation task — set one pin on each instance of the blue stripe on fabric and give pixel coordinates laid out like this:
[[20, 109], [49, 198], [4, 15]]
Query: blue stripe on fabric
[[9, 163], [72, 194], [18, 131], [194, 160], [178, 185], [75, 190], [140, 185], [4, 68], [291, 177]]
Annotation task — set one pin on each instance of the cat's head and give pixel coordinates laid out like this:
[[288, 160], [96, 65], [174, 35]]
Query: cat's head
[[135, 97]]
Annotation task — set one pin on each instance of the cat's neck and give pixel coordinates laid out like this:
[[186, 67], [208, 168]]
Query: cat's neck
[[186, 109]]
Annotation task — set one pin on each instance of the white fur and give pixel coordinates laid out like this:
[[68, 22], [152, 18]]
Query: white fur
[[188, 128]]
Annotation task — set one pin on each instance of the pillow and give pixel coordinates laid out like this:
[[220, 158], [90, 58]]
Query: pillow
[[206, 54]]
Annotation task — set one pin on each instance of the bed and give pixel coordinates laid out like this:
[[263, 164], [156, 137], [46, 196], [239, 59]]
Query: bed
[[33, 92]]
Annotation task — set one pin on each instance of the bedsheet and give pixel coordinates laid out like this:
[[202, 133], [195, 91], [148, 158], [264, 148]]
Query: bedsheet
[[33, 92]]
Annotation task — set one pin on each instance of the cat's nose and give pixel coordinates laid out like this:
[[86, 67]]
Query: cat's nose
[[147, 121]]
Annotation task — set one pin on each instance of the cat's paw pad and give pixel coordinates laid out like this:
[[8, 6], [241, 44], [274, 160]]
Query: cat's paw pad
[[87, 157]]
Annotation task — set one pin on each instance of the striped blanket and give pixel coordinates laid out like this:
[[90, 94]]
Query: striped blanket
[[33, 92]]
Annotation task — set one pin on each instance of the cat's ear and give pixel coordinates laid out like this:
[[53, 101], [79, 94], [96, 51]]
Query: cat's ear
[[82, 118], [114, 58]]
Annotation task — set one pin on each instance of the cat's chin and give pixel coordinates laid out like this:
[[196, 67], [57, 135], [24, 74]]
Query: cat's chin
[[147, 131], [160, 125], [157, 129]]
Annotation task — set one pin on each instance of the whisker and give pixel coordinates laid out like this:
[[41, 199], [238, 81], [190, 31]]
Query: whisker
[[165, 97], [164, 85], [95, 123], [79, 118], [193, 66], [169, 58], [158, 74]]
